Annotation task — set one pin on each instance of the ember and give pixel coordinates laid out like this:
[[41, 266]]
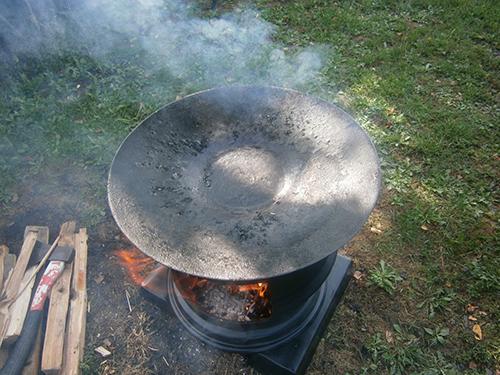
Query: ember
[[135, 263], [244, 302]]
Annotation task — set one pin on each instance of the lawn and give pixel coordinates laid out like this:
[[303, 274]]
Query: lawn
[[421, 77]]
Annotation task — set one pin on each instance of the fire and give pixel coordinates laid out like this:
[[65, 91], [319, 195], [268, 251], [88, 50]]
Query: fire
[[135, 263], [247, 301], [189, 284], [259, 289], [253, 299]]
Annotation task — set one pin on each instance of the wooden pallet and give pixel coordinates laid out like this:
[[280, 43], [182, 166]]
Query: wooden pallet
[[60, 344]]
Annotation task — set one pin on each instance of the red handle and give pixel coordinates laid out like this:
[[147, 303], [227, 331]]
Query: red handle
[[24, 343], [49, 277]]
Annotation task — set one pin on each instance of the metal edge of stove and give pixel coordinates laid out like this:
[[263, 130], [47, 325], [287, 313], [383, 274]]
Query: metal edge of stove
[[294, 357], [239, 337], [153, 289]]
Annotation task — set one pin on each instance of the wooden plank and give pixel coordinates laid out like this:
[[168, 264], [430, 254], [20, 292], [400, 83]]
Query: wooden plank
[[8, 264], [32, 366], [75, 333], [19, 308], [53, 346], [14, 282], [12, 286], [42, 232], [67, 233], [4, 250]]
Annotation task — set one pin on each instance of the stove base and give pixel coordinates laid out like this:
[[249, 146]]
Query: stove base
[[293, 357]]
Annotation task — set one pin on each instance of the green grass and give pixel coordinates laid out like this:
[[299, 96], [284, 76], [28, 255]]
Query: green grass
[[422, 79], [89, 364], [409, 350], [385, 277], [69, 110], [420, 76]]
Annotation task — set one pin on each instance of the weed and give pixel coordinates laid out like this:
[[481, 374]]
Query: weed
[[90, 364], [438, 301], [485, 274], [408, 353], [404, 355], [385, 277], [437, 335]]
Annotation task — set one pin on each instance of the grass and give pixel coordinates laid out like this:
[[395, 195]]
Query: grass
[[420, 76], [408, 350], [70, 110], [385, 277]]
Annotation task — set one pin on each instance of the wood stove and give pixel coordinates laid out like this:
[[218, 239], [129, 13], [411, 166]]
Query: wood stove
[[244, 194], [283, 342]]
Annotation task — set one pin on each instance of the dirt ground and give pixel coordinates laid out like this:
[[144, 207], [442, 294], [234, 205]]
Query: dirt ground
[[150, 339]]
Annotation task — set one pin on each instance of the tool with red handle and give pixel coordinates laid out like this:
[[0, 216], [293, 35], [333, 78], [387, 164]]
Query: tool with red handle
[[24, 344]]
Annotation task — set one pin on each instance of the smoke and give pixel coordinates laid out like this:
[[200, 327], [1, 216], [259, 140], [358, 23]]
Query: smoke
[[77, 75], [51, 119], [169, 35]]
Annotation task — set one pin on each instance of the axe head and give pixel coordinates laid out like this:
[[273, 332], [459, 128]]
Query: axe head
[[62, 253]]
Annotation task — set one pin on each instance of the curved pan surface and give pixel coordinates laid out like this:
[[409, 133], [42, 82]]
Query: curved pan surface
[[244, 183]]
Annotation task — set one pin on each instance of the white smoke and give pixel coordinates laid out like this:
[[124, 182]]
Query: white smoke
[[236, 47]]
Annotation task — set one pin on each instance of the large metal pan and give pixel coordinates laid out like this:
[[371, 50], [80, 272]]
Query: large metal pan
[[244, 183]]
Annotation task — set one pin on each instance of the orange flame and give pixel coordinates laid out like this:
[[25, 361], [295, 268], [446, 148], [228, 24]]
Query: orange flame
[[257, 294], [134, 262], [259, 288]]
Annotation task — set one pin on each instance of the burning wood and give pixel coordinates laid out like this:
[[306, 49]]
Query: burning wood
[[240, 302]]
